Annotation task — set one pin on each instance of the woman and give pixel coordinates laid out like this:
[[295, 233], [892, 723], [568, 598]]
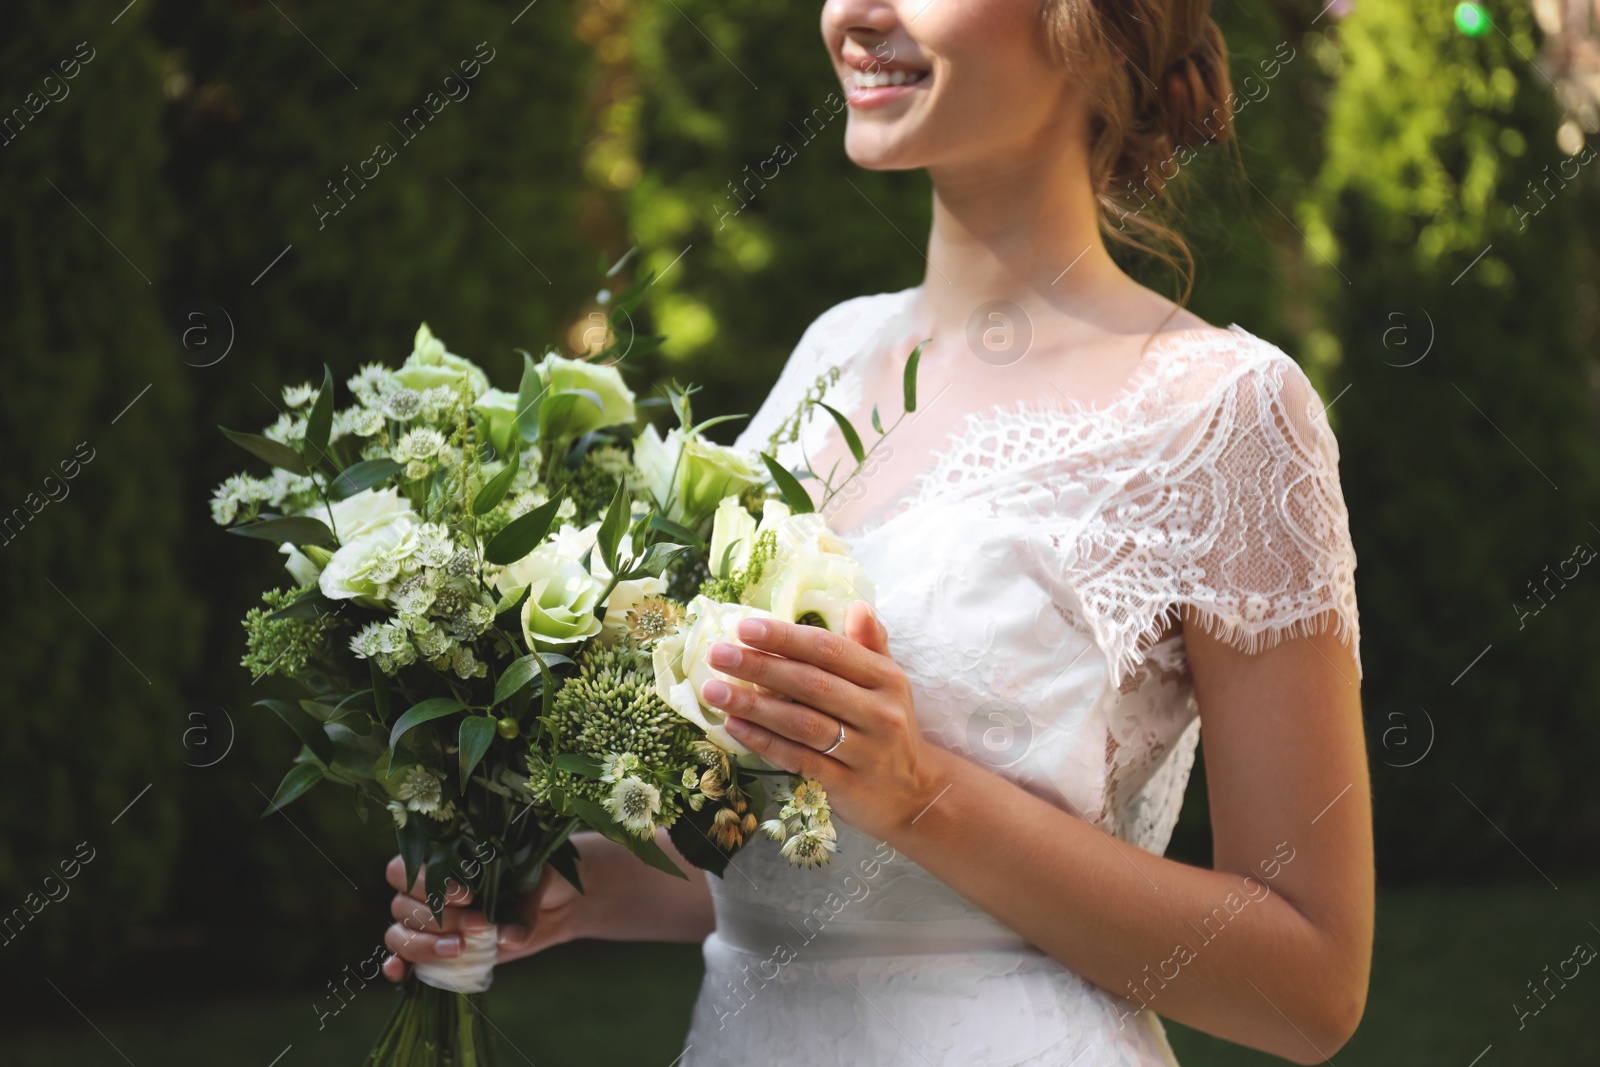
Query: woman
[[1106, 523]]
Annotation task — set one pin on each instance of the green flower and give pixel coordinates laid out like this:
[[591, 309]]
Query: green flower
[[562, 596], [429, 365], [689, 478], [568, 420], [499, 411]]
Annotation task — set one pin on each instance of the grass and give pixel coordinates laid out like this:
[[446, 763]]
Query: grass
[[1451, 964]]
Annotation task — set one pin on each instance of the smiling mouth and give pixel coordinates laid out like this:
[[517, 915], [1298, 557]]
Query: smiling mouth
[[882, 79]]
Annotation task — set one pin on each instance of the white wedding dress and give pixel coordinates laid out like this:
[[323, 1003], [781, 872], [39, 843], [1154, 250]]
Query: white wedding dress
[[1021, 579]]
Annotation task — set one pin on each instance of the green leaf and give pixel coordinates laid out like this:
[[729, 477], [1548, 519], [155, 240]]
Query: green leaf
[[301, 777], [381, 700], [794, 494], [657, 558], [613, 526], [522, 671], [417, 714], [877, 423], [293, 529], [413, 842], [477, 732], [274, 452], [310, 604], [851, 438], [319, 424], [678, 530], [600, 819], [556, 408], [490, 495], [306, 728], [717, 421], [359, 476], [690, 835], [583, 766], [910, 382], [529, 393], [524, 533]]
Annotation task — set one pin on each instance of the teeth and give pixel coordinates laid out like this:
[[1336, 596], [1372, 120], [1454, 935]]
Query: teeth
[[863, 80]]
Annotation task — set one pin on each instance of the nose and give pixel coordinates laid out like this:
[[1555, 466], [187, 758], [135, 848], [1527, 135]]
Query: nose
[[858, 23]]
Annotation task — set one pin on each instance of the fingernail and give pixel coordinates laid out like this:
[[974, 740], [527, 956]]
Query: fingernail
[[752, 629], [724, 656], [512, 935], [716, 693], [448, 947], [736, 726], [472, 922]]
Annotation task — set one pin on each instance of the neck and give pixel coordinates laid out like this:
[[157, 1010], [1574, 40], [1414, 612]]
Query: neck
[[1024, 233]]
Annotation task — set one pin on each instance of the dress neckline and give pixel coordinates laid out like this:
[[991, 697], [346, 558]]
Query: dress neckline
[[915, 492]]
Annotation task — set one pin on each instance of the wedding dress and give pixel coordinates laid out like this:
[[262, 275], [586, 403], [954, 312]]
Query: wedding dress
[[1022, 579]]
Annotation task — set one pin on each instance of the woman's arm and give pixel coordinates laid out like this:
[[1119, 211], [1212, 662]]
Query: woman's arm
[[1270, 949]]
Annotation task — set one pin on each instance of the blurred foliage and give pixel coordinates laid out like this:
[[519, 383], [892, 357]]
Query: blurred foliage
[[1377, 156]]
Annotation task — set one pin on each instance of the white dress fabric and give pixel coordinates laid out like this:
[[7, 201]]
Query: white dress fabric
[[1022, 579]]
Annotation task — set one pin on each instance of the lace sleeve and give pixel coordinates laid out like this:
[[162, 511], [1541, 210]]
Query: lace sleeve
[[1243, 521]]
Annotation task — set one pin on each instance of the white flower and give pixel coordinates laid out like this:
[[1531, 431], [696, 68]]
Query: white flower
[[733, 533], [398, 810], [809, 848], [466, 664], [298, 396], [618, 765], [682, 669], [363, 565], [819, 586], [418, 444], [357, 516], [287, 428], [402, 405], [239, 491], [371, 384], [634, 803], [420, 789]]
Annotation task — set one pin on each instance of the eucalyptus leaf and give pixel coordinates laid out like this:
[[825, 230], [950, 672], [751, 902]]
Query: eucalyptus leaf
[[274, 452], [524, 533], [319, 424], [477, 733], [306, 728], [910, 382], [794, 494], [301, 777], [290, 529], [522, 671], [427, 711], [611, 529], [490, 495], [575, 763], [851, 438], [363, 475], [529, 394]]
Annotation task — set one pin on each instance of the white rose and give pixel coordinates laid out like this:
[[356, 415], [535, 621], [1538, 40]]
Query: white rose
[[354, 517], [682, 668], [797, 537], [562, 596], [733, 532], [362, 565], [693, 475]]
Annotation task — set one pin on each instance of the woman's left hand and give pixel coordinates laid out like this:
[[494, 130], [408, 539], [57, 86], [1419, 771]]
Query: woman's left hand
[[879, 779]]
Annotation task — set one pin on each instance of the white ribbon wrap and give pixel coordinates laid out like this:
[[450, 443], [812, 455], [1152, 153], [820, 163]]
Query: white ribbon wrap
[[470, 972]]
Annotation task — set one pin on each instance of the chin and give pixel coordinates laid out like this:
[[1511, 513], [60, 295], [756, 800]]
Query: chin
[[877, 148]]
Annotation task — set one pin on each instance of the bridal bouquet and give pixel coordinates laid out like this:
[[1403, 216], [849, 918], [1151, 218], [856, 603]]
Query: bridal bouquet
[[499, 607]]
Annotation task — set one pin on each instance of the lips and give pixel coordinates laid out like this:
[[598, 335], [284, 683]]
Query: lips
[[874, 84]]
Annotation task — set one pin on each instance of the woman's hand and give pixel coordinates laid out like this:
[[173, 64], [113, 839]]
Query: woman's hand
[[548, 916], [880, 778]]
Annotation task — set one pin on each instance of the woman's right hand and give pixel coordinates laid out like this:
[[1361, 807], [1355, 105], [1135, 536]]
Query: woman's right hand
[[548, 916]]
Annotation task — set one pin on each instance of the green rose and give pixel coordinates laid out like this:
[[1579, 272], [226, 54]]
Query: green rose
[[688, 479], [429, 365], [562, 597], [499, 411], [577, 416]]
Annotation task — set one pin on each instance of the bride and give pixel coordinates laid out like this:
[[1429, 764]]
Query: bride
[[1105, 524]]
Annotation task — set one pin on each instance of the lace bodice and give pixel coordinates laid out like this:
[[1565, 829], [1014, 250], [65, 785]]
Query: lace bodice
[[1028, 579]]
